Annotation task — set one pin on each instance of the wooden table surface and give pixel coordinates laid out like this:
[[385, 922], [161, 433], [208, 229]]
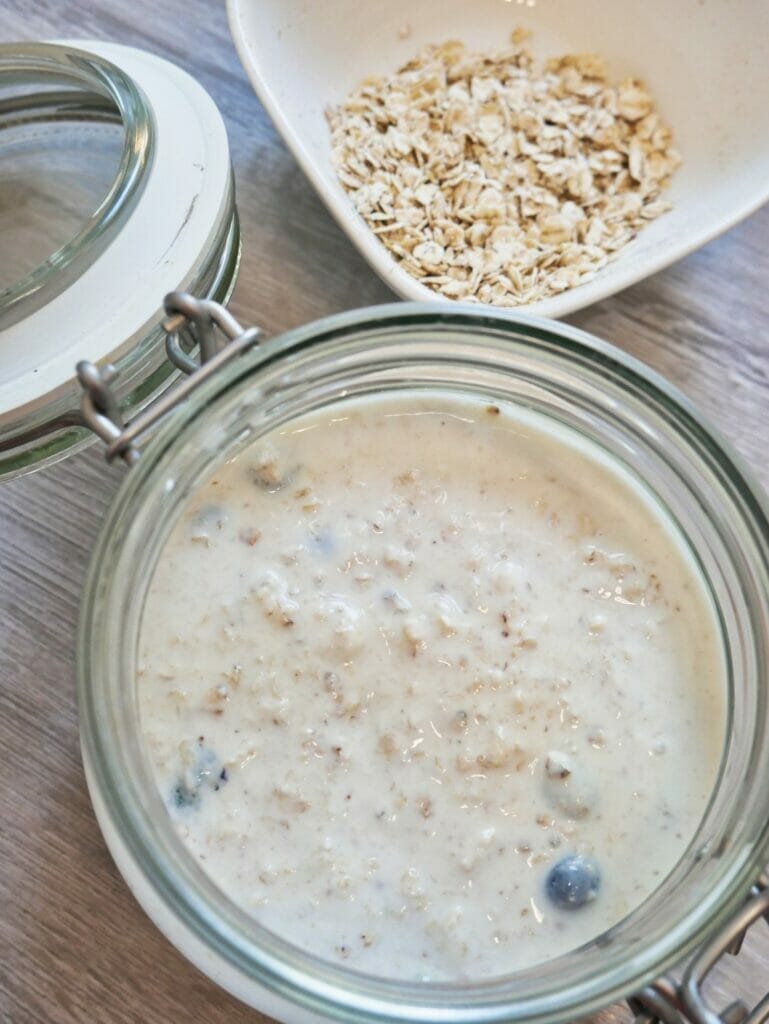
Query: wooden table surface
[[74, 946]]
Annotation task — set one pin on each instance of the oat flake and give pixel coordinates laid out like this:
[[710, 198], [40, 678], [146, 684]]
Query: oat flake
[[492, 179]]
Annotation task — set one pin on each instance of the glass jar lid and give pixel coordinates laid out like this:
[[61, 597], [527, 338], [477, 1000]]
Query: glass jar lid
[[115, 187]]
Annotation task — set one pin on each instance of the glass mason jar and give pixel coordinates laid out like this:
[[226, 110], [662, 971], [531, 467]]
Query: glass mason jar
[[115, 174], [640, 421]]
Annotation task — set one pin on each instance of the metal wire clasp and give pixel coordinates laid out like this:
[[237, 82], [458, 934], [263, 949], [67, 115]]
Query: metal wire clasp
[[189, 323], [671, 1002]]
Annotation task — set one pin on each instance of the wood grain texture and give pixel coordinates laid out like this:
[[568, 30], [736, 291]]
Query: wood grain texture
[[74, 946]]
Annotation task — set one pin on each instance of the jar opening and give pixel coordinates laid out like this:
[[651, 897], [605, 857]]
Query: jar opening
[[549, 368]]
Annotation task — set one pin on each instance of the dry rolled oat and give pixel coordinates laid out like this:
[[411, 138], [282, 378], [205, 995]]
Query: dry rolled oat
[[492, 179]]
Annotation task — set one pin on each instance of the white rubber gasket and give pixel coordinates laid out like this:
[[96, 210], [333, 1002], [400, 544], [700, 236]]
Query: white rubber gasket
[[166, 239]]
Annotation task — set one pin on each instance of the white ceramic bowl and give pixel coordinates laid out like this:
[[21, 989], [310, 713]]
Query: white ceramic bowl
[[704, 60]]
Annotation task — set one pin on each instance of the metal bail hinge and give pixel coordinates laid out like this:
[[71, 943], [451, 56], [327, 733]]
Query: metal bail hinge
[[190, 323], [682, 1002]]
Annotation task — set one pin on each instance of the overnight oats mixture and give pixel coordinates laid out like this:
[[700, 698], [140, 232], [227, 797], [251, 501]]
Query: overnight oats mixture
[[429, 688]]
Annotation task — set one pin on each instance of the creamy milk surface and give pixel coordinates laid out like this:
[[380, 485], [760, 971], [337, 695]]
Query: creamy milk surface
[[408, 662]]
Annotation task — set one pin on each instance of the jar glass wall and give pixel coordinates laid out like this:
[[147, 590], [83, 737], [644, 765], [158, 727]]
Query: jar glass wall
[[588, 386]]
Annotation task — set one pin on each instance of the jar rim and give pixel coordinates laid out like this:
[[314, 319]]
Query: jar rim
[[298, 976]]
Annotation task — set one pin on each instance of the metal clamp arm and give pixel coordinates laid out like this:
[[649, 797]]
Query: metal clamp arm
[[670, 1002], [197, 323]]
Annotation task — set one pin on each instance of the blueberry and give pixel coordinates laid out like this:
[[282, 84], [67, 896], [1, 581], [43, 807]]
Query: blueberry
[[324, 542], [184, 795], [573, 882], [205, 772], [205, 764]]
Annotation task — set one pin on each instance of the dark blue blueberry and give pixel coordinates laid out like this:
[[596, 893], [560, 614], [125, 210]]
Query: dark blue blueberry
[[184, 795], [206, 774], [205, 763], [573, 882], [324, 542]]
